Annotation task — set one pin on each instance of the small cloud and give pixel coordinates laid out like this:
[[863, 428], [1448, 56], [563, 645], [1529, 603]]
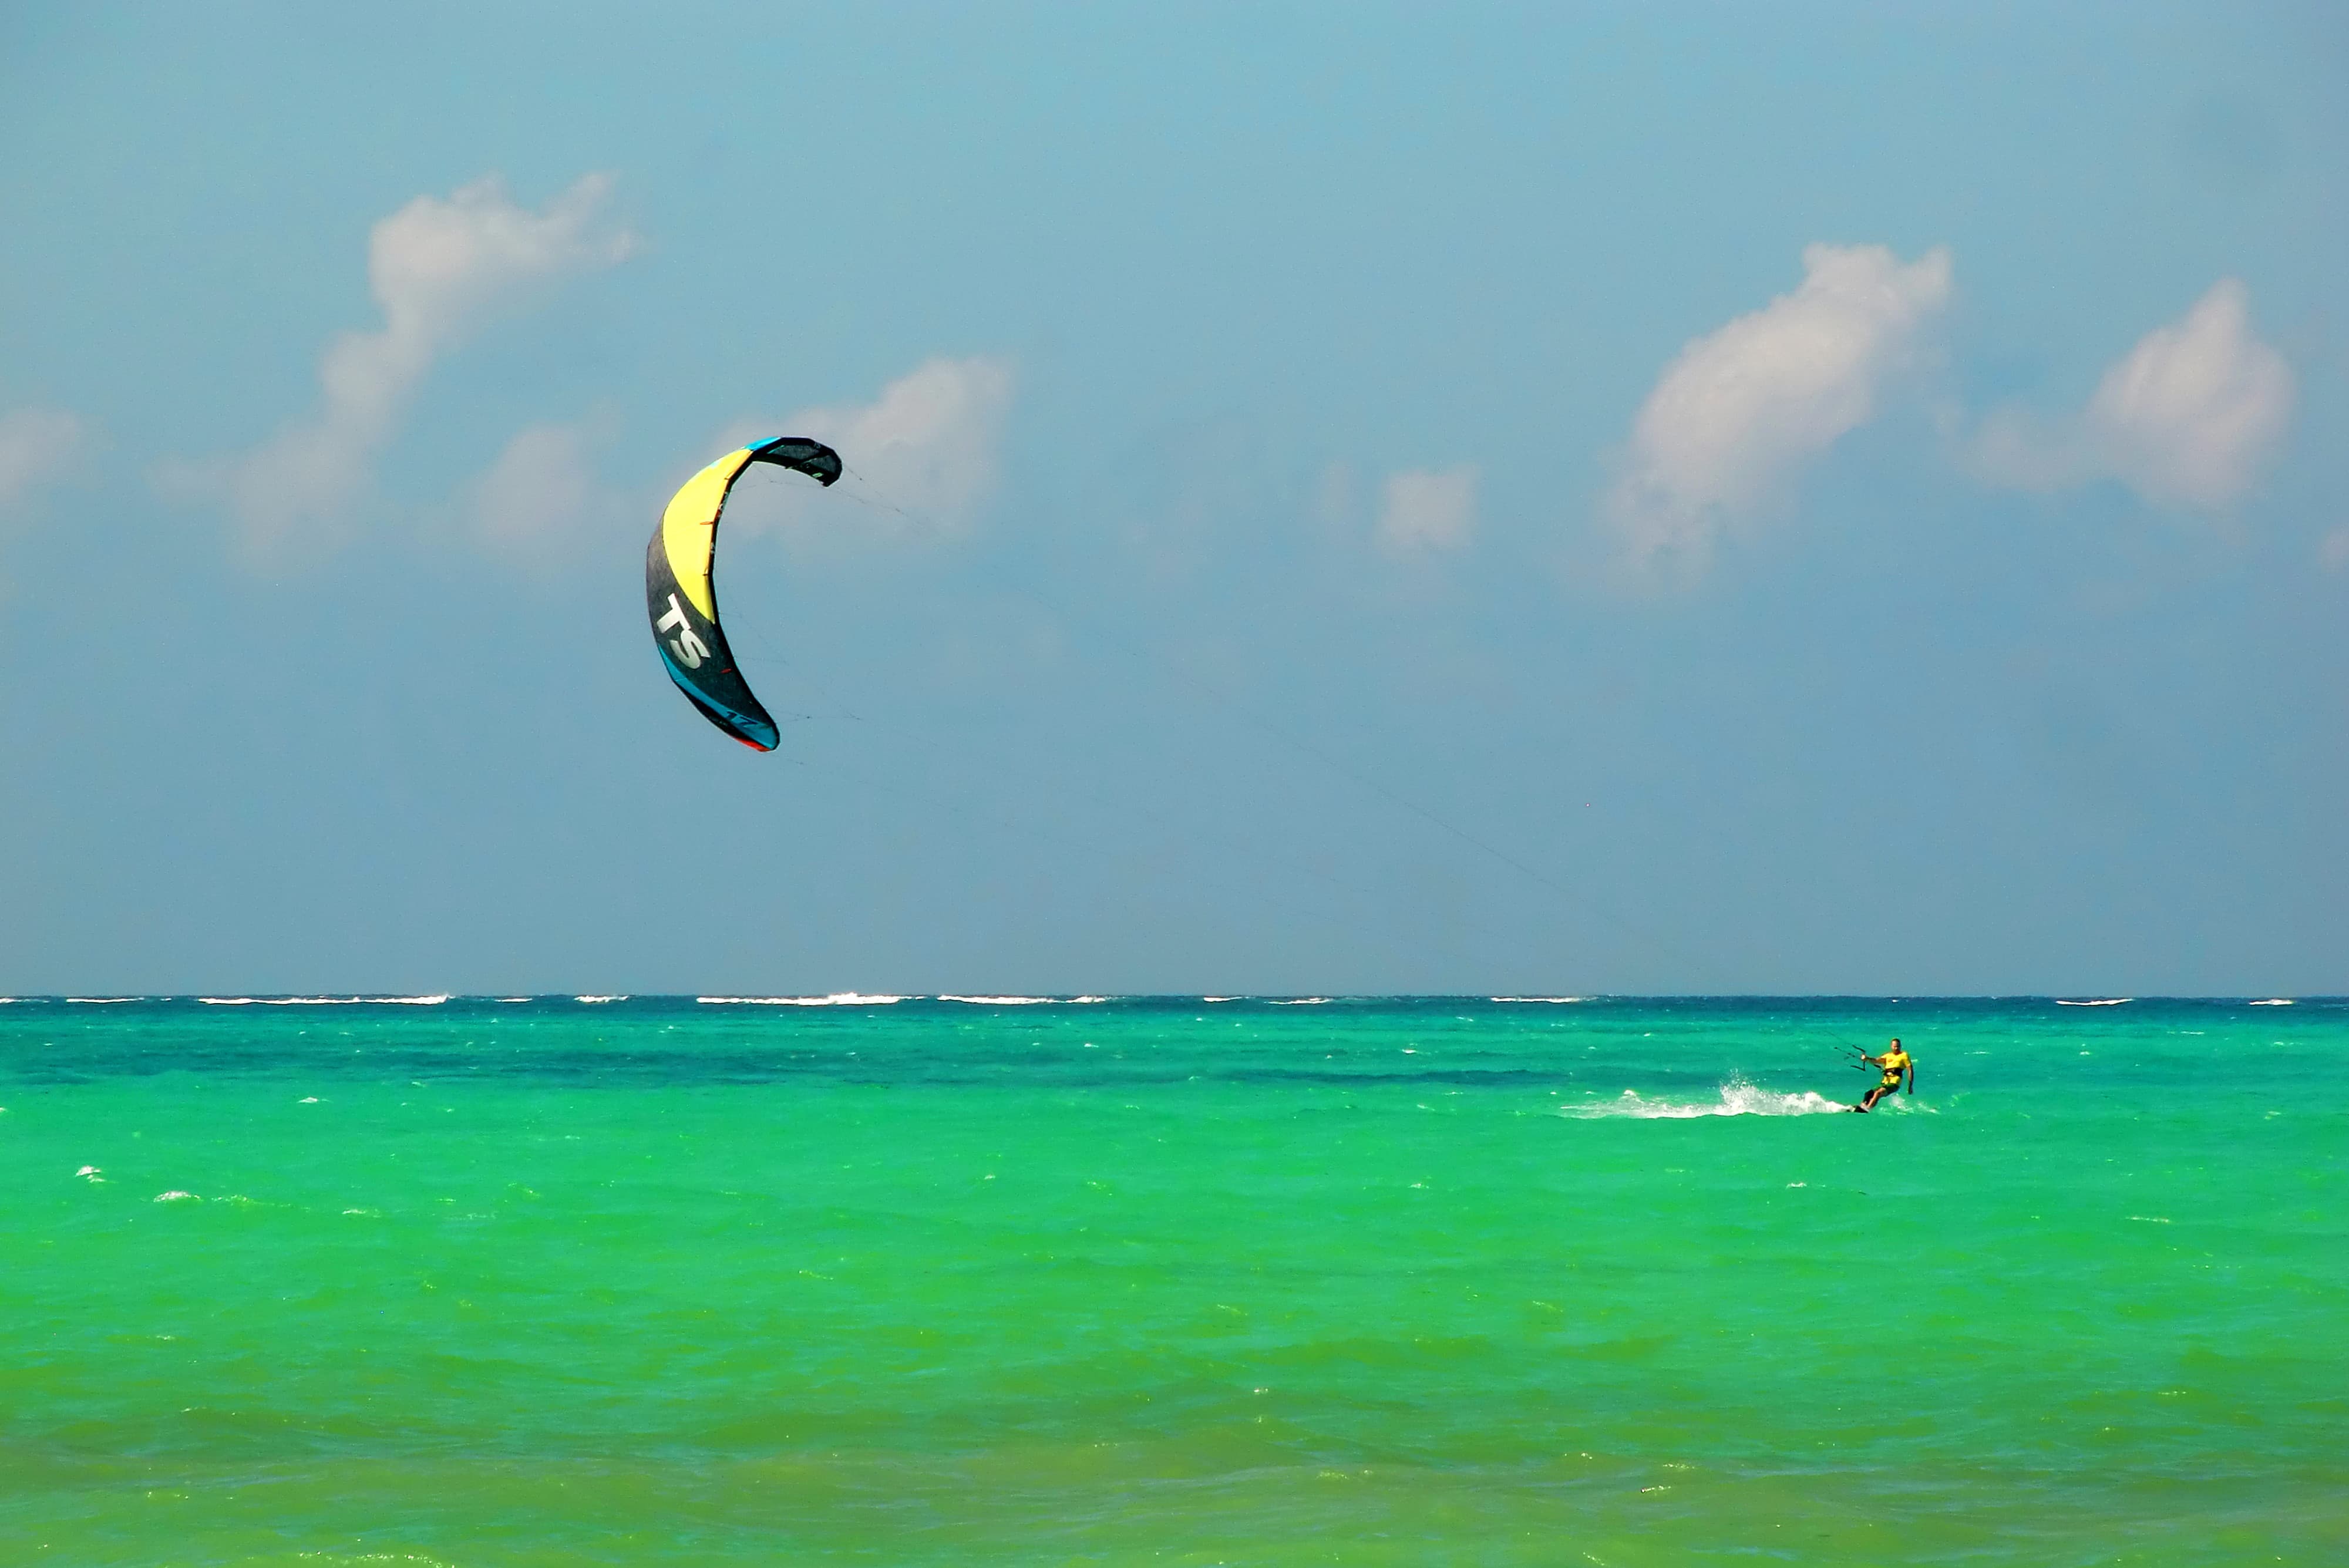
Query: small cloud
[[923, 453], [439, 268], [2333, 550], [1735, 418], [2196, 408], [36, 445], [542, 490], [2186, 419], [1426, 511]]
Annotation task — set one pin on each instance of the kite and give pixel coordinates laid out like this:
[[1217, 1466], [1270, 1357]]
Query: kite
[[683, 601]]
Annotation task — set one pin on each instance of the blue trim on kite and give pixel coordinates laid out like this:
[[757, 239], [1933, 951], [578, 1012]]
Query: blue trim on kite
[[744, 725]]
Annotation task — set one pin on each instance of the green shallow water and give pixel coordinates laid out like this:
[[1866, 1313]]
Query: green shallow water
[[1169, 1282]]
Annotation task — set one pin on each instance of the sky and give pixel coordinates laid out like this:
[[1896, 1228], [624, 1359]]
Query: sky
[[1485, 499]]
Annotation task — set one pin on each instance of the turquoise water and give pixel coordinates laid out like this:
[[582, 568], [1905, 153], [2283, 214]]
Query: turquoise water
[[486, 1285]]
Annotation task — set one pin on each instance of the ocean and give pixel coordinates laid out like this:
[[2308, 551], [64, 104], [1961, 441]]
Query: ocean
[[485, 1284]]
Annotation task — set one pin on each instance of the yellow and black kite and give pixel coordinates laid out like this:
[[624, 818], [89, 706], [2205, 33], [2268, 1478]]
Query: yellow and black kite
[[683, 602]]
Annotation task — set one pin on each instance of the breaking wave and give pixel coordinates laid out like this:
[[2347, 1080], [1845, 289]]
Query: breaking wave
[[324, 1000], [1738, 1098], [837, 999]]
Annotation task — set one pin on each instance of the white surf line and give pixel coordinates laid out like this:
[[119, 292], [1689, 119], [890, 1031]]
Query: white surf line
[[2274, 1001], [103, 1001], [592, 1001], [2094, 1001], [324, 1000], [838, 999], [1023, 1000], [1536, 999]]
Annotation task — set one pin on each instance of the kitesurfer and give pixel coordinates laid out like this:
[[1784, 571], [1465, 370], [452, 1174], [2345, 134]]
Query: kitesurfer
[[1895, 1062]]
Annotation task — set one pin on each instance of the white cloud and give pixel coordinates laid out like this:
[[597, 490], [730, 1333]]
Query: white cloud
[[923, 453], [1735, 418], [2186, 419], [1427, 511], [543, 491], [439, 268], [35, 446], [2333, 550]]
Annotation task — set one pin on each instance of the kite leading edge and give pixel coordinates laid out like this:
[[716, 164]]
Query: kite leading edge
[[682, 600]]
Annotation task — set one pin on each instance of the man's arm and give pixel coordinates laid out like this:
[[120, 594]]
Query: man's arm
[[1912, 1077]]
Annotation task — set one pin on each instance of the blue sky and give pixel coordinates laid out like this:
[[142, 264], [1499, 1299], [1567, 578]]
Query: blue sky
[[1636, 499]]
